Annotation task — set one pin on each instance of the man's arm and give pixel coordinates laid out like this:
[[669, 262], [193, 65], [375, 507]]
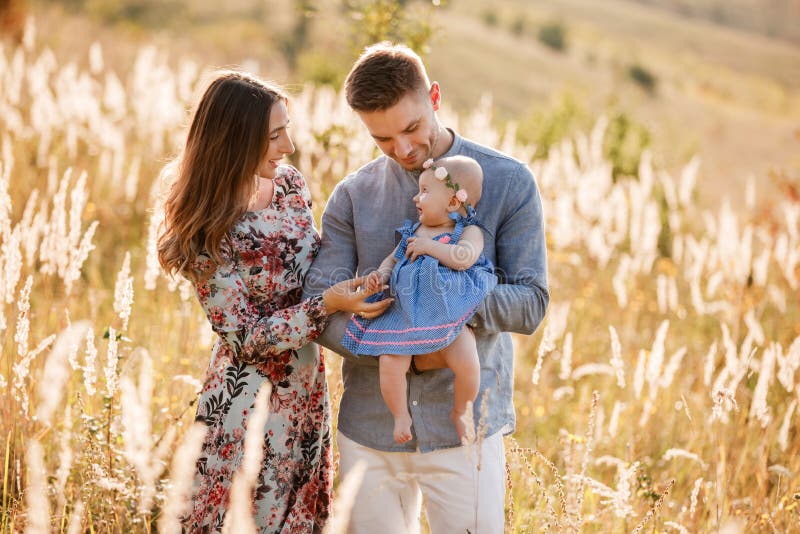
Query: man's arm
[[519, 301], [335, 261]]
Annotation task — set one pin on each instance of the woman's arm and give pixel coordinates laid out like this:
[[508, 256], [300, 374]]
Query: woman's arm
[[252, 337], [460, 256]]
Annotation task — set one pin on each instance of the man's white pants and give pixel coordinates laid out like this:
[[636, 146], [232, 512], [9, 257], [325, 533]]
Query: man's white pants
[[459, 498]]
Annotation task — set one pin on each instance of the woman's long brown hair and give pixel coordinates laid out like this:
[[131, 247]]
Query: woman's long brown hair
[[213, 178]]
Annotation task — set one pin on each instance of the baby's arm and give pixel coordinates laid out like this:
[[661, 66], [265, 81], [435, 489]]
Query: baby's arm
[[459, 257], [381, 276]]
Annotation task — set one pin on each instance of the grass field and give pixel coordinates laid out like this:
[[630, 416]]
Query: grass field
[[728, 95], [659, 395]]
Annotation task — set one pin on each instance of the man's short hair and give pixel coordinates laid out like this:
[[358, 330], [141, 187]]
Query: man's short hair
[[383, 75]]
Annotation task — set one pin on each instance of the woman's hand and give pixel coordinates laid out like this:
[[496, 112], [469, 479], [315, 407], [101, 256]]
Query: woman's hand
[[350, 296], [418, 246]]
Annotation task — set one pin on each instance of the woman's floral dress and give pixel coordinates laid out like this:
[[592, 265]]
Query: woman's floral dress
[[253, 301]]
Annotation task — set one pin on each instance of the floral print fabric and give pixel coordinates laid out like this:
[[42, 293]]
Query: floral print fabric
[[253, 301]]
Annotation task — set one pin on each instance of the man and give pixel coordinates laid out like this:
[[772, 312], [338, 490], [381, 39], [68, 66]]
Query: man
[[390, 91]]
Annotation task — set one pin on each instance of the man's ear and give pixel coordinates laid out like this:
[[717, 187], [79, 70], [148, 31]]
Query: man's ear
[[436, 95]]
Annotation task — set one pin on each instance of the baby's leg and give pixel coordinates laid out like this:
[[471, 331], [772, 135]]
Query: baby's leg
[[393, 369], [462, 358]]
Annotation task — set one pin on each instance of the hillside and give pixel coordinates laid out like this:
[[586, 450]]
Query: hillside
[[773, 18], [731, 96]]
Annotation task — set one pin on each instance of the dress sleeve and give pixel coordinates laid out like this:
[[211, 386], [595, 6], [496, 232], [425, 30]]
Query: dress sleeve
[[253, 337]]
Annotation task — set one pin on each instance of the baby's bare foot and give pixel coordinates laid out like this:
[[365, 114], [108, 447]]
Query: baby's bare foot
[[402, 428]]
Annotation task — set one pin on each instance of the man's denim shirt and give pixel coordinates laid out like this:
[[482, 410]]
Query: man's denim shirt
[[358, 232]]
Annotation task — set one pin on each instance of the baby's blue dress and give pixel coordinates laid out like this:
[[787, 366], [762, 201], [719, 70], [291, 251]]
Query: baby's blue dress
[[432, 302]]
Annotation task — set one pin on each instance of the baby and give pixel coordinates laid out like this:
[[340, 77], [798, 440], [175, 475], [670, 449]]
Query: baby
[[439, 276]]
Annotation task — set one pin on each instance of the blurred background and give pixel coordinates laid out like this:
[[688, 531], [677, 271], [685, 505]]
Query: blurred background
[[714, 78], [663, 387]]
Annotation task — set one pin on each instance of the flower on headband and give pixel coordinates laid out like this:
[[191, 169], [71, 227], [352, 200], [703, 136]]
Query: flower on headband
[[441, 174]]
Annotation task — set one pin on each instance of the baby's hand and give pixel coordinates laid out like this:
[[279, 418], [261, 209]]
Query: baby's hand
[[418, 246], [375, 281]]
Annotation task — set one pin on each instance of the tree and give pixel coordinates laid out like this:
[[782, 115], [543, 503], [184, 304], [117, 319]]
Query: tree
[[406, 21]]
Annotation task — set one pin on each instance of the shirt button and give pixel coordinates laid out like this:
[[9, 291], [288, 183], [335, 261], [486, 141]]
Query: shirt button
[[414, 403]]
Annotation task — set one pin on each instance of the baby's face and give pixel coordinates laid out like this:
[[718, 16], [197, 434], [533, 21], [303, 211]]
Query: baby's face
[[432, 200]]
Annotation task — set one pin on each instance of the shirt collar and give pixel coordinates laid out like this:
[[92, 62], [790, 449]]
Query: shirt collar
[[455, 148]]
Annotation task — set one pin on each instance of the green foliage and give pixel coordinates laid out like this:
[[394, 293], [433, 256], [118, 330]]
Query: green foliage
[[645, 487], [625, 141], [399, 21], [553, 35], [72, 5], [643, 77], [320, 68], [546, 127], [489, 18], [665, 237], [518, 26], [625, 138], [145, 13], [295, 41]]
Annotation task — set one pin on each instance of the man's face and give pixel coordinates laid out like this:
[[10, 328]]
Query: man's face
[[406, 131]]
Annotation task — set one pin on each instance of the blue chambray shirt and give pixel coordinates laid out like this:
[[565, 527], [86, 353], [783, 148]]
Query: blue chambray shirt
[[358, 228]]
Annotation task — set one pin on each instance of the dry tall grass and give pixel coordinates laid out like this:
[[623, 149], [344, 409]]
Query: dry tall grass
[[661, 392]]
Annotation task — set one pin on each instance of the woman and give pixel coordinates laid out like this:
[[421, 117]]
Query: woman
[[238, 224]]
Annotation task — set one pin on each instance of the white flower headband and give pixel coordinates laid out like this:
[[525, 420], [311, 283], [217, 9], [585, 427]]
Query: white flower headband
[[441, 174]]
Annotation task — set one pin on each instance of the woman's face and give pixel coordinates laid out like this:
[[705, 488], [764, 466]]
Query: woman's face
[[432, 200], [280, 144]]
